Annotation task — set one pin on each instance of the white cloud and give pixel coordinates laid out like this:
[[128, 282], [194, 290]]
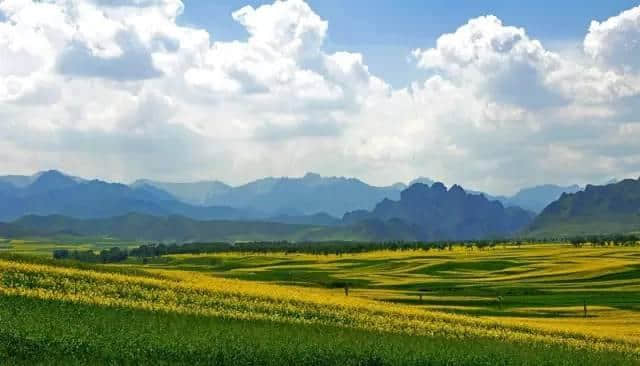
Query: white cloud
[[497, 60], [616, 42], [118, 89], [288, 28]]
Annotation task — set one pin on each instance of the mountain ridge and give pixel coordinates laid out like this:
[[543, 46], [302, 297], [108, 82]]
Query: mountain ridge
[[438, 213], [598, 209]]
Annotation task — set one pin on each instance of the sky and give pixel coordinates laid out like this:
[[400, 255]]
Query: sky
[[492, 95], [385, 32]]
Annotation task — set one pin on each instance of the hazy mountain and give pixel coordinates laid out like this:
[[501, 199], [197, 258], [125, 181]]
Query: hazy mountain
[[532, 198], [281, 198], [307, 195], [51, 180], [55, 193], [435, 213], [612, 208], [537, 198], [21, 181], [181, 229], [322, 219], [7, 189], [502, 199], [423, 180], [196, 193], [18, 181]]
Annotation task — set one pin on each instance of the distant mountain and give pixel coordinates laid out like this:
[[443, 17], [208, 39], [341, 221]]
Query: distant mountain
[[435, 213], [196, 193], [612, 208], [502, 199], [7, 189], [51, 180], [534, 199], [537, 198], [55, 193], [423, 180], [21, 181], [321, 219], [307, 195], [18, 181], [383, 230]]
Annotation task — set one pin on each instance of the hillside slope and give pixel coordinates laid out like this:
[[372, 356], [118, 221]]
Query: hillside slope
[[612, 208], [537, 198]]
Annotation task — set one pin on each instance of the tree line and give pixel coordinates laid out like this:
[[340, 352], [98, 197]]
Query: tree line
[[145, 251], [116, 254], [111, 255], [618, 240]]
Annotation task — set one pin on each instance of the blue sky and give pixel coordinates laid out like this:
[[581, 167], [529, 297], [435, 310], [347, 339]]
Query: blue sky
[[178, 90], [385, 32]]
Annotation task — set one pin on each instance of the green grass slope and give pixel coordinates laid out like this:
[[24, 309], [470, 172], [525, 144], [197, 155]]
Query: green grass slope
[[40, 332]]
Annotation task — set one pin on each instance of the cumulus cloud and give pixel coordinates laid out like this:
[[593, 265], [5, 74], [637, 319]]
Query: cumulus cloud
[[498, 60], [615, 42], [119, 89]]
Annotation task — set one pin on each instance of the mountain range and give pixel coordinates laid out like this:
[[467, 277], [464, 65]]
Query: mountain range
[[422, 213], [335, 196], [54, 193], [436, 213], [307, 195], [606, 209], [537, 198], [424, 210]]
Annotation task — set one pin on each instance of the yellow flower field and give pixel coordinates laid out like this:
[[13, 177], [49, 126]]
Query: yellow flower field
[[197, 293]]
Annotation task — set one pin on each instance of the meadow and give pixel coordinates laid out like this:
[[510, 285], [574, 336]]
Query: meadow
[[504, 305]]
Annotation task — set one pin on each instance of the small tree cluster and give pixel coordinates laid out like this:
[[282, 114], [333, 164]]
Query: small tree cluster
[[606, 240], [112, 255]]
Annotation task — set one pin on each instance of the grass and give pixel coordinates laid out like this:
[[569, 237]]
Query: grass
[[54, 332], [540, 285], [44, 247], [504, 306]]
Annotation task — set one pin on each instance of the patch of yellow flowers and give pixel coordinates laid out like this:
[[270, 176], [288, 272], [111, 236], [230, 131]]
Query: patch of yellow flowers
[[196, 293]]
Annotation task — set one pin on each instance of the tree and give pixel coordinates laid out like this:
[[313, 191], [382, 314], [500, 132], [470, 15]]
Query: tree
[[61, 254]]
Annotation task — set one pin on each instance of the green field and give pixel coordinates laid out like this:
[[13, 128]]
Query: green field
[[44, 247], [505, 305], [545, 285]]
